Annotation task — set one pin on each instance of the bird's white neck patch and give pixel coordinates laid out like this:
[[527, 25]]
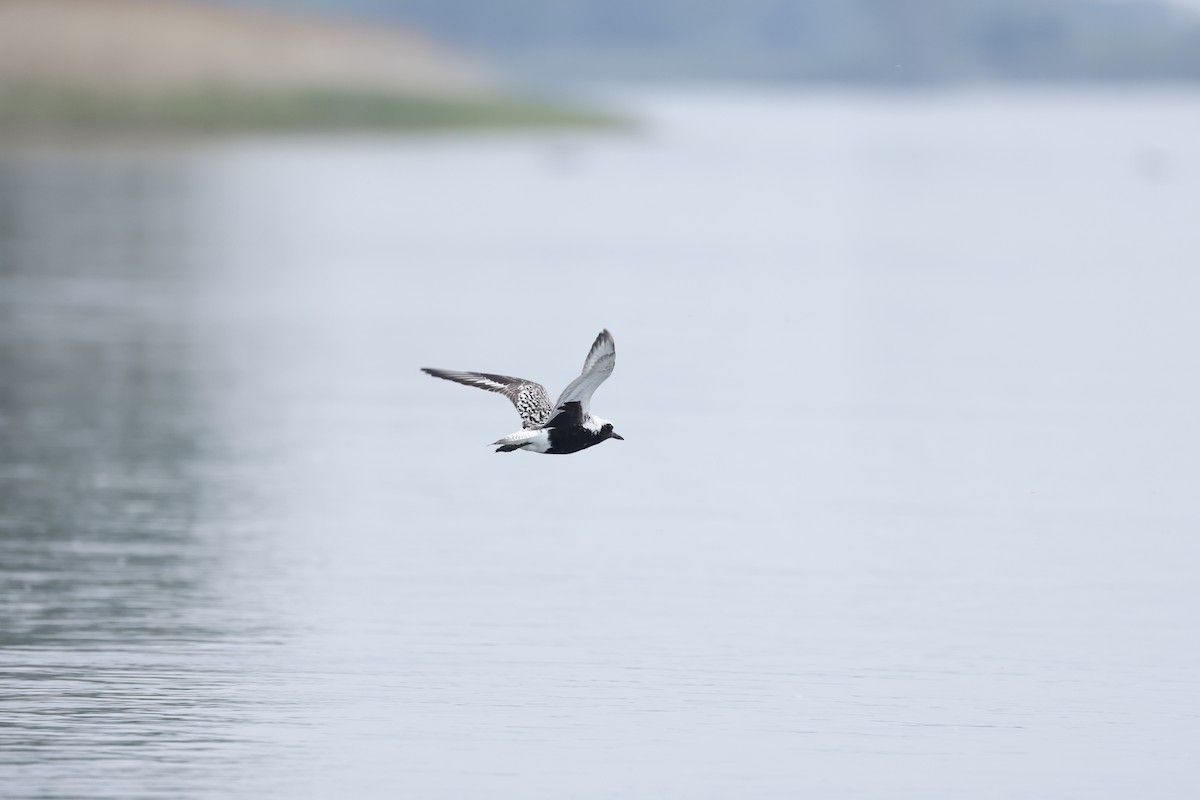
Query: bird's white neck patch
[[594, 424]]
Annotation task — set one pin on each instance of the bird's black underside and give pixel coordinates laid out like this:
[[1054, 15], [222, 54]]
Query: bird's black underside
[[572, 439], [567, 434]]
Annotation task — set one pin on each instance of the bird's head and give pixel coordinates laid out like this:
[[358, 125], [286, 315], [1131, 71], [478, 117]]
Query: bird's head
[[606, 430]]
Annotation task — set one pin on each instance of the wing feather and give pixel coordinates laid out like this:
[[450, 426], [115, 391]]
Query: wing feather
[[531, 400], [598, 365]]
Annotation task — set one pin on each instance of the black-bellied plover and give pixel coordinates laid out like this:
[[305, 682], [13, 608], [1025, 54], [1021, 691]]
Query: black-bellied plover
[[565, 427]]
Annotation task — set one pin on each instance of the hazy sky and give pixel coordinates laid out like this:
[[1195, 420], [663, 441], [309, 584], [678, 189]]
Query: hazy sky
[[1192, 4]]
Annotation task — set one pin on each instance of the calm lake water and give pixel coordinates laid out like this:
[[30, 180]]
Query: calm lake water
[[907, 506]]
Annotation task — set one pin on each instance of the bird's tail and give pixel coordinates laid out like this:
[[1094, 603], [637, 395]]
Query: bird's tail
[[515, 441]]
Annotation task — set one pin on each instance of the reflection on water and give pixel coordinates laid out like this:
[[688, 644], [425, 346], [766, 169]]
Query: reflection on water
[[906, 498], [107, 580], [104, 430]]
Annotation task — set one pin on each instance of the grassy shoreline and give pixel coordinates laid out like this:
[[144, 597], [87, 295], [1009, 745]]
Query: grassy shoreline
[[31, 110]]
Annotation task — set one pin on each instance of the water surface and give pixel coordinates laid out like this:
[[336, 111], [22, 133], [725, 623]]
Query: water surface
[[906, 505]]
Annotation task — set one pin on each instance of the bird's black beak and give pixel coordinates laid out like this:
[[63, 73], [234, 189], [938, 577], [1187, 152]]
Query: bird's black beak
[[618, 436]]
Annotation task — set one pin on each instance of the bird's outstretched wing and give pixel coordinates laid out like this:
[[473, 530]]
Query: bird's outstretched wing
[[530, 398], [596, 368]]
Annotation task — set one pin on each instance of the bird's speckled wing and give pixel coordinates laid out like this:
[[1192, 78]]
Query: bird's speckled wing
[[598, 365], [530, 398]]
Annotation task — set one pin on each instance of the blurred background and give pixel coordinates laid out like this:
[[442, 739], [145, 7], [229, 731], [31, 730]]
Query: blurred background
[[904, 296]]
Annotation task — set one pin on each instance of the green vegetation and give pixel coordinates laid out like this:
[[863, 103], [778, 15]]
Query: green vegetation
[[34, 110]]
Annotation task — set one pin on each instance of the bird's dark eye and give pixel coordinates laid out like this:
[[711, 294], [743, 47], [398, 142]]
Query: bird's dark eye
[[607, 428]]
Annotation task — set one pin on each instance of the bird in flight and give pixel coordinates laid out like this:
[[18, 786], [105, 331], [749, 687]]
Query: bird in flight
[[568, 426]]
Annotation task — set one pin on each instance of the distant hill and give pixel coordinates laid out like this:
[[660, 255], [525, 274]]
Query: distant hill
[[826, 41], [172, 44], [85, 67]]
